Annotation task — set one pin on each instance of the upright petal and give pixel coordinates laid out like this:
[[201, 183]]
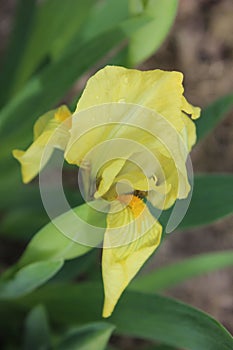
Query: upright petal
[[158, 90]]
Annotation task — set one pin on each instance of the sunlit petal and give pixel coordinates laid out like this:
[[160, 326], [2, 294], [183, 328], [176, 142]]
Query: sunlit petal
[[120, 263], [155, 89], [50, 125]]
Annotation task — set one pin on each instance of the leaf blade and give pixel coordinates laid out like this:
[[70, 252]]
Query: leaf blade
[[93, 336], [211, 200], [29, 278], [173, 274], [161, 319], [148, 38], [212, 115], [51, 243], [45, 89], [37, 333], [19, 38], [64, 24]]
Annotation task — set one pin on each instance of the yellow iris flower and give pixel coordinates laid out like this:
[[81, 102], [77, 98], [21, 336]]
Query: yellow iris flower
[[131, 113]]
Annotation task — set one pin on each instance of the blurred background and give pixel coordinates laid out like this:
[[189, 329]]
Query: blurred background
[[200, 45]]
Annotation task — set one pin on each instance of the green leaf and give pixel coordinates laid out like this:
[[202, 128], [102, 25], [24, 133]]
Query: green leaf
[[29, 278], [45, 254], [170, 322], [18, 41], [37, 334], [93, 336], [103, 17], [211, 200], [161, 319], [51, 244], [171, 275], [147, 39], [47, 88], [212, 115], [55, 25]]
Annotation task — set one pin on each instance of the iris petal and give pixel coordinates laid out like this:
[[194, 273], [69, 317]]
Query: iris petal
[[155, 89], [121, 261], [44, 130]]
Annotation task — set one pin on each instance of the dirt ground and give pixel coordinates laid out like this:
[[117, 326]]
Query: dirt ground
[[201, 46]]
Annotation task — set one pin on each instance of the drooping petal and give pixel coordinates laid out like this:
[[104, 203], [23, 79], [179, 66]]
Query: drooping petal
[[137, 236], [50, 126]]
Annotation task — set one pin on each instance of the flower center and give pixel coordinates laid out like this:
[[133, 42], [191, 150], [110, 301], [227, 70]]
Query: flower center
[[135, 203]]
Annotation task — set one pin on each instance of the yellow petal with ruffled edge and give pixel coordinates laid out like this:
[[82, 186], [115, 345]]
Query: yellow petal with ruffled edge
[[50, 125], [156, 89], [137, 236]]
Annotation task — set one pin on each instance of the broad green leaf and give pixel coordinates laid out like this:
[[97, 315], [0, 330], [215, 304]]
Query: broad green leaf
[[36, 332], [212, 115], [93, 336], [147, 39], [24, 20], [211, 200], [28, 278], [51, 244], [103, 17], [161, 319], [55, 25], [46, 252], [170, 322], [136, 7], [176, 273]]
